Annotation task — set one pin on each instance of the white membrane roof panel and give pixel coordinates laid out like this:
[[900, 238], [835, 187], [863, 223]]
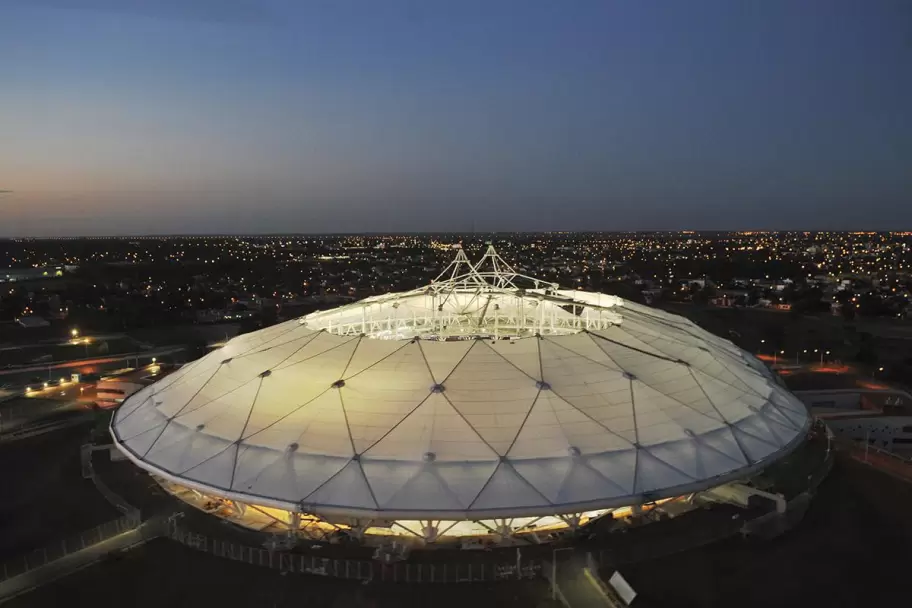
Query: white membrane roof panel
[[605, 414]]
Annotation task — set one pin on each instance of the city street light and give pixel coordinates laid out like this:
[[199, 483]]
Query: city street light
[[74, 332]]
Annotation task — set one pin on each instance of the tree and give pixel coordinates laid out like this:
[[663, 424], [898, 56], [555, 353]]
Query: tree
[[773, 335], [702, 295], [622, 290], [788, 292], [848, 311], [870, 305], [866, 354], [248, 325]]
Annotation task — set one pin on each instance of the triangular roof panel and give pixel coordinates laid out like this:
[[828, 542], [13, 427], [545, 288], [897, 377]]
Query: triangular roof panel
[[347, 488], [483, 395], [506, 489]]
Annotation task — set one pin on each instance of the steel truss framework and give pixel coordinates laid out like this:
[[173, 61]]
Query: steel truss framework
[[503, 530], [485, 299]]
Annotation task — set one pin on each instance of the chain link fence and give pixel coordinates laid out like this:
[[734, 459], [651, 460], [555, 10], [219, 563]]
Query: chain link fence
[[360, 569], [54, 551], [88, 472]]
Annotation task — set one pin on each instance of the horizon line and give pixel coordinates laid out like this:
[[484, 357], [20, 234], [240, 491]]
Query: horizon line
[[683, 231]]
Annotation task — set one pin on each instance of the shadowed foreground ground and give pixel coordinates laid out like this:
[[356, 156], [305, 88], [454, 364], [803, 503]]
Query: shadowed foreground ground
[[850, 550]]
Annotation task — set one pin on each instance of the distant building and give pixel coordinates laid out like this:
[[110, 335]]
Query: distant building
[[651, 295], [11, 275], [701, 282], [32, 322], [112, 390], [731, 297]]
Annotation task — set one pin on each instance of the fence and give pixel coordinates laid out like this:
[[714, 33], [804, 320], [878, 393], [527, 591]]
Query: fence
[[360, 569], [699, 529], [54, 551], [702, 529], [88, 472], [18, 414], [884, 460]]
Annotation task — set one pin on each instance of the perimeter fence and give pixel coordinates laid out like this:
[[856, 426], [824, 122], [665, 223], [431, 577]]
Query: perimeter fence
[[454, 571], [889, 462], [58, 549], [471, 566]]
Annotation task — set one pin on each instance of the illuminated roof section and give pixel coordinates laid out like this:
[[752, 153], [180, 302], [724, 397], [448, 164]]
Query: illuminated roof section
[[484, 394], [487, 299]]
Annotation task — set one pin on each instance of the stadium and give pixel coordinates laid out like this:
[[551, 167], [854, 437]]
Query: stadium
[[487, 406]]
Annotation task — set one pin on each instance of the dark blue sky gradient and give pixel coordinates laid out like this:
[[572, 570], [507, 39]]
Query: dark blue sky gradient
[[144, 116]]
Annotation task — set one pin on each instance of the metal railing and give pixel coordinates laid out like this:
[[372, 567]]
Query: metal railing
[[883, 460], [88, 472], [359, 569], [66, 546]]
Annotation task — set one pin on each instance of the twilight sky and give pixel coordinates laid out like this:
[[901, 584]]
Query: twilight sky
[[246, 116]]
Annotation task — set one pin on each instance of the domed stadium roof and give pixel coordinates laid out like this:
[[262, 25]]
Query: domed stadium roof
[[484, 394]]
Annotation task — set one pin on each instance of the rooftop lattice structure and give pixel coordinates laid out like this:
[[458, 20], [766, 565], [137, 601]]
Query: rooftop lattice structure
[[485, 299]]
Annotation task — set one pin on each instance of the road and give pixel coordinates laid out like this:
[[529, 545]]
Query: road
[[44, 426], [24, 375], [53, 403], [61, 341]]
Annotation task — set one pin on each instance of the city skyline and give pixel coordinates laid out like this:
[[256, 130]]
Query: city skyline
[[273, 118]]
